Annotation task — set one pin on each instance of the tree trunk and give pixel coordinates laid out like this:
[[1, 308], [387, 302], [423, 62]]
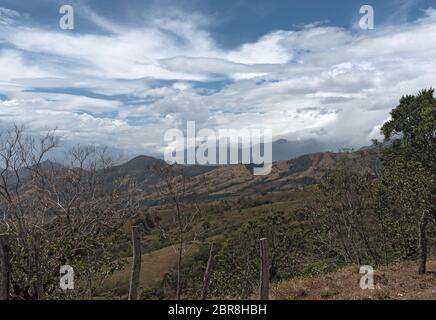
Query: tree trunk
[[38, 287], [179, 267], [206, 278], [181, 241], [5, 265], [136, 264], [423, 243], [264, 269]]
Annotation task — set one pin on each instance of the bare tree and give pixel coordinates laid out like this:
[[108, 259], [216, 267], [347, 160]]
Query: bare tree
[[136, 264], [345, 212], [5, 268], [58, 214], [174, 189], [207, 273], [87, 212], [21, 157]]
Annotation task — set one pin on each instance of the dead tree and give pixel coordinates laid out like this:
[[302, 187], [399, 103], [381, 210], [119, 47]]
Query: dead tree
[[21, 159], [206, 278], [136, 264], [265, 265], [174, 189], [5, 270], [43, 203]]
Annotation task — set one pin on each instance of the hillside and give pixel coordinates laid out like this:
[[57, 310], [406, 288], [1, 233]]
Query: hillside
[[397, 282], [213, 182], [218, 182]]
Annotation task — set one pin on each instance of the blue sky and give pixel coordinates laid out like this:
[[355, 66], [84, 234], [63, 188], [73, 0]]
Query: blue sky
[[131, 70], [234, 22]]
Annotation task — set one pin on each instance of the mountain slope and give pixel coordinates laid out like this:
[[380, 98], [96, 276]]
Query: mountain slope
[[285, 175]]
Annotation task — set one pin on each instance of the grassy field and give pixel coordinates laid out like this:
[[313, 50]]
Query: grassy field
[[156, 263], [154, 266]]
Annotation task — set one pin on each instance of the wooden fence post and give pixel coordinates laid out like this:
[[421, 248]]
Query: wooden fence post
[[136, 264], [206, 278], [265, 265], [5, 267], [423, 243]]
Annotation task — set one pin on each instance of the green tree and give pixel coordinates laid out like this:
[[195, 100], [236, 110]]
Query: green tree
[[345, 211], [408, 179]]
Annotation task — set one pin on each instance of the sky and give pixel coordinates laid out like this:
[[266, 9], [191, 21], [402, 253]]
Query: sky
[[130, 70]]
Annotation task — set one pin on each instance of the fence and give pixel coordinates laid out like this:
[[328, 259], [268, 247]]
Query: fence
[[5, 267], [264, 254]]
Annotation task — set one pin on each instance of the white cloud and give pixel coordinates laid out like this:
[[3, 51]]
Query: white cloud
[[8, 16], [13, 65], [319, 82]]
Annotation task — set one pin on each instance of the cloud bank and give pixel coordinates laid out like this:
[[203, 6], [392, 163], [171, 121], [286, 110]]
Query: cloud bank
[[124, 85]]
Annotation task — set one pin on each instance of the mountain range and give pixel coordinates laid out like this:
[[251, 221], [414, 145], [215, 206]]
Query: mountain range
[[221, 181], [227, 180]]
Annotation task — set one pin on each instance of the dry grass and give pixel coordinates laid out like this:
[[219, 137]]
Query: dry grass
[[154, 266], [396, 282]]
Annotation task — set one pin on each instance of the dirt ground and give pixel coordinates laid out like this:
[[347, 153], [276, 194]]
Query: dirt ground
[[398, 282]]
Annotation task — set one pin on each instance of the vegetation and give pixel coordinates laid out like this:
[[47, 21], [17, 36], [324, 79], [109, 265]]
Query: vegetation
[[375, 207], [362, 215], [409, 176]]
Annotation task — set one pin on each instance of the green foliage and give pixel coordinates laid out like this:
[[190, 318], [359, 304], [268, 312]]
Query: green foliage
[[295, 251], [91, 255], [413, 128], [408, 182], [345, 212], [361, 217]]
